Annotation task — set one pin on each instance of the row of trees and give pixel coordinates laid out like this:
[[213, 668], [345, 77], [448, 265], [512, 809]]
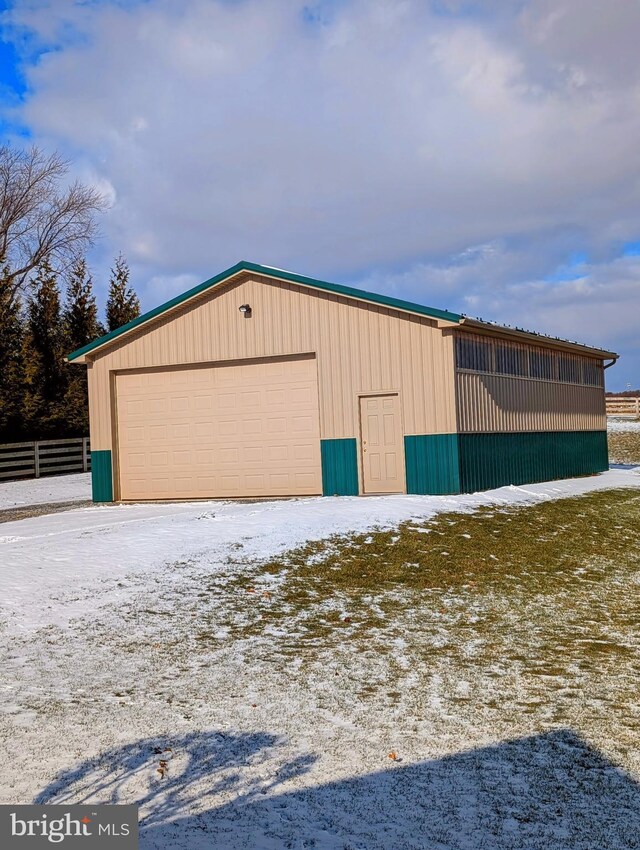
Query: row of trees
[[41, 394], [47, 304]]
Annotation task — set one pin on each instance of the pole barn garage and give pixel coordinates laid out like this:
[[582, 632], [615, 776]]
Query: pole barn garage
[[260, 382]]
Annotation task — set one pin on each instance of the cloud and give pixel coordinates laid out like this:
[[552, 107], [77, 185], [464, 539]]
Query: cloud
[[591, 302], [456, 151]]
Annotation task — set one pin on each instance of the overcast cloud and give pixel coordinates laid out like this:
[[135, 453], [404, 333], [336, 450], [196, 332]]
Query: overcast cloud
[[480, 156]]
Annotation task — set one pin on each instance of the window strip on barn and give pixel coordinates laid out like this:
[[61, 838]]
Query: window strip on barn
[[476, 353]]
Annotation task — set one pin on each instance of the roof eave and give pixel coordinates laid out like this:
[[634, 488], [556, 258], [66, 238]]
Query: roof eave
[[80, 355]]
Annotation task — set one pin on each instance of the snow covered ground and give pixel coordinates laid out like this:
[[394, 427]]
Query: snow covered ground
[[111, 693], [63, 565], [45, 491], [623, 425]]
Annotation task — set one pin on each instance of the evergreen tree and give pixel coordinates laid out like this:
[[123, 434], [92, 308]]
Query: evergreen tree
[[81, 327], [12, 374], [81, 312], [45, 348], [122, 304]]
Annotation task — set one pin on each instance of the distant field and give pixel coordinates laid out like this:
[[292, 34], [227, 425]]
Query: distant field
[[624, 441]]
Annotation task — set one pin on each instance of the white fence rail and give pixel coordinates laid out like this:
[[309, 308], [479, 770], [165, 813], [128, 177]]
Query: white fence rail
[[44, 457], [623, 406]]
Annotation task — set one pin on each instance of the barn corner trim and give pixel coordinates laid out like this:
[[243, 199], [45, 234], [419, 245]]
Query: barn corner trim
[[101, 476], [339, 459]]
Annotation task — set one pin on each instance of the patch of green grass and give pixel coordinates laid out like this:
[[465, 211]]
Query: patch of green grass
[[536, 544], [495, 576], [509, 618], [624, 446]]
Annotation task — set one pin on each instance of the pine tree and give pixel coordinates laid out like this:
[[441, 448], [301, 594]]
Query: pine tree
[[12, 374], [45, 350], [122, 304], [81, 312], [81, 327]]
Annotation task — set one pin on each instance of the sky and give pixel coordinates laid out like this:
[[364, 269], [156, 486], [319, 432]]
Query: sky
[[480, 156]]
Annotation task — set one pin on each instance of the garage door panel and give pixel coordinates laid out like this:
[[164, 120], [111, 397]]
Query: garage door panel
[[203, 402], [250, 427], [225, 401], [135, 408], [178, 378], [275, 398], [252, 455], [302, 424], [276, 425], [182, 458], [303, 453], [202, 431], [251, 400], [233, 430], [228, 456], [135, 434], [277, 453], [153, 435], [228, 428], [304, 479], [229, 484], [180, 431], [160, 485]]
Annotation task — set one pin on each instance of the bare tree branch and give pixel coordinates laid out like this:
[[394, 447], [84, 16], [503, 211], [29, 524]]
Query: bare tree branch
[[40, 216]]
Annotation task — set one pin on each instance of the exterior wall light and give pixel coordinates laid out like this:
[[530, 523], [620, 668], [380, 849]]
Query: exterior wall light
[[245, 309]]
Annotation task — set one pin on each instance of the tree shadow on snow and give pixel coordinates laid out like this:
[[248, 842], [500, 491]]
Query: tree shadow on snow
[[545, 791], [168, 776]]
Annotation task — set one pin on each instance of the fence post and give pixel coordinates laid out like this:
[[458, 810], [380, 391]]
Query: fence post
[[36, 458], [85, 463]]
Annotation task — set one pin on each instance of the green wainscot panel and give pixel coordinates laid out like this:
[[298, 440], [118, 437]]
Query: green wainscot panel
[[339, 467], [432, 464], [101, 476], [494, 460]]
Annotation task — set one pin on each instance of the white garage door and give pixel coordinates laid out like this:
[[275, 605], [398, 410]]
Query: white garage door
[[247, 429]]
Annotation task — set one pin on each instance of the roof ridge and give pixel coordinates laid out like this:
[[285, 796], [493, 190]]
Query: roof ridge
[[279, 274]]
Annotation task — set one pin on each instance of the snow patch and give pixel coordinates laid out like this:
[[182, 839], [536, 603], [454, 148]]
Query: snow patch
[[45, 491], [628, 425], [64, 565]]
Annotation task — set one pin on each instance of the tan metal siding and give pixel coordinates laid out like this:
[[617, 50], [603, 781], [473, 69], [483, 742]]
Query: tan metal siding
[[359, 347], [489, 403], [503, 385]]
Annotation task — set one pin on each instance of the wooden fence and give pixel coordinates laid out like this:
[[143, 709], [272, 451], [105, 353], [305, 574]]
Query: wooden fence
[[623, 406], [44, 457]]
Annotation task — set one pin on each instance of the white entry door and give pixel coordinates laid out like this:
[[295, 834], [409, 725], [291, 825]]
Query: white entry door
[[382, 444]]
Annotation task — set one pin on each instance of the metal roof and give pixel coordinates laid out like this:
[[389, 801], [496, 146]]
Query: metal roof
[[279, 274], [464, 322]]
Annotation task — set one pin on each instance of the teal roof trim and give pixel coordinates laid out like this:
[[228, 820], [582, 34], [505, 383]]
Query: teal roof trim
[[244, 266]]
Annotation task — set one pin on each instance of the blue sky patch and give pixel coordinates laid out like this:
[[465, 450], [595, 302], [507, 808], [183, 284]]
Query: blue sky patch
[[571, 270], [12, 82]]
